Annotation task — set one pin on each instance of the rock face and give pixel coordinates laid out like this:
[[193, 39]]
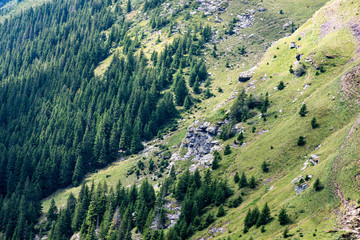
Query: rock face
[[301, 183], [247, 75], [199, 143]]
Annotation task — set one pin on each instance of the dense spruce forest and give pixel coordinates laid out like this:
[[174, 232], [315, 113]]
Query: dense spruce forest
[[58, 121], [103, 213]]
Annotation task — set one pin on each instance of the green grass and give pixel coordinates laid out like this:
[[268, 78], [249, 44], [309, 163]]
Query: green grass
[[311, 212]]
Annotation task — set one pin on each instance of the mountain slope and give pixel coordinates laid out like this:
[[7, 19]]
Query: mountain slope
[[319, 67]]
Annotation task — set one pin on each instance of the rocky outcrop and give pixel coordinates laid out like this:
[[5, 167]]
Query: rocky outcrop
[[301, 183], [247, 75], [200, 144]]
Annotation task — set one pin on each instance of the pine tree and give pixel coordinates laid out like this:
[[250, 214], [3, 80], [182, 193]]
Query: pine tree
[[180, 90], [283, 217], [252, 183], [136, 144], [187, 103], [303, 110], [78, 172], [236, 177], [314, 124], [52, 212], [215, 164], [281, 86], [196, 86], [265, 167], [227, 149], [301, 141], [240, 138], [317, 185], [264, 216], [243, 181], [221, 211], [128, 6]]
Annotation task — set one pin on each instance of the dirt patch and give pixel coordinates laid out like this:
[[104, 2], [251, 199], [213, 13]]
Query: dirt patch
[[350, 83]]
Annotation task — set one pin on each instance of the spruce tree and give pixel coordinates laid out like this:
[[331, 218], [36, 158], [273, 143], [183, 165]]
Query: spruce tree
[[283, 217], [317, 185], [265, 167], [264, 216], [180, 90], [128, 6], [236, 177], [252, 183], [215, 164], [314, 124], [227, 149], [52, 212], [301, 141], [281, 86], [303, 110], [78, 172], [243, 181], [221, 211], [187, 103]]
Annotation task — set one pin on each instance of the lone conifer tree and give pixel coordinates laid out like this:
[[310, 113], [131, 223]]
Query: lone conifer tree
[[303, 110], [283, 217]]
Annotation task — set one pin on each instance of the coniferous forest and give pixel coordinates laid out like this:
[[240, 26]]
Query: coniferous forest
[[179, 119], [58, 121]]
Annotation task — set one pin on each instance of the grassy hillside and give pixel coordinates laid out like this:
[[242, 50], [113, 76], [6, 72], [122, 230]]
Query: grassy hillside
[[328, 46]]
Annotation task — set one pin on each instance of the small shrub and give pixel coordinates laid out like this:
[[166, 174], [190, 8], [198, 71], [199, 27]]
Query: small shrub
[[301, 141], [286, 233], [281, 86]]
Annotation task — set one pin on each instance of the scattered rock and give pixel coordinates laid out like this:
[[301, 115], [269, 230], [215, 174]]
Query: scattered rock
[[247, 75], [292, 45]]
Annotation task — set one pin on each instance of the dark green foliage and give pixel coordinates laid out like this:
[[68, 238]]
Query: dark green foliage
[[252, 182], [314, 124], [251, 218], [286, 233], [264, 217], [207, 93], [128, 6], [180, 89], [291, 70], [151, 4], [227, 132], [301, 141], [243, 181], [240, 110], [317, 185], [236, 177], [215, 164], [281, 86], [187, 102], [265, 167], [240, 138], [235, 202], [197, 194], [221, 212], [283, 217], [52, 213], [303, 111], [227, 149]]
